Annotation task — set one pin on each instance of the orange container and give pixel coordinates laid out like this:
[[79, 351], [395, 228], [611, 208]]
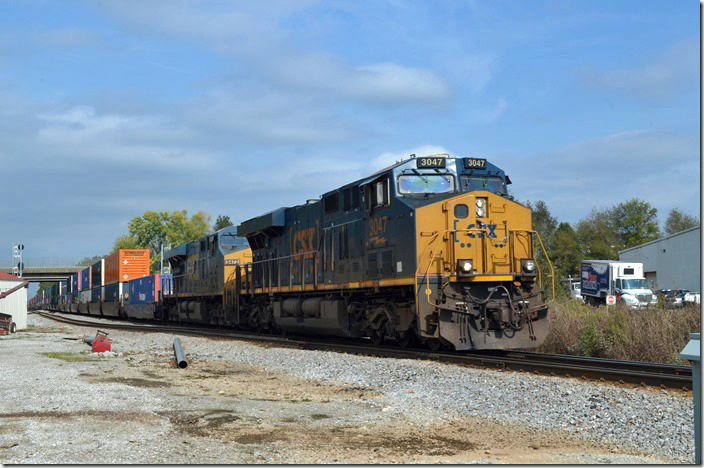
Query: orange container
[[125, 265]]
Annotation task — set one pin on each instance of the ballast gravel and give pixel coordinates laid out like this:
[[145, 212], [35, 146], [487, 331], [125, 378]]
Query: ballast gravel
[[243, 402]]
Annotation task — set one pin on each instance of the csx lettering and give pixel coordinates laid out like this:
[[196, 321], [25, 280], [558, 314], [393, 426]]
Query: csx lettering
[[491, 227]]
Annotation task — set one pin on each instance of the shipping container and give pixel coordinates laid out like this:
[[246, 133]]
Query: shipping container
[[85, 279], [144, 290], [84, 300], [96, 295], [112, 299], [125, 265], [97, 274], [76, 282]]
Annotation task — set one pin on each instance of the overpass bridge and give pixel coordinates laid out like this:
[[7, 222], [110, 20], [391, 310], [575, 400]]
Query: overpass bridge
[[48, 269], [39, 274]]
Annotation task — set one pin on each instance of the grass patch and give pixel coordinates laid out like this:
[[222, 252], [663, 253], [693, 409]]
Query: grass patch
[[70, 357], [654, 334]]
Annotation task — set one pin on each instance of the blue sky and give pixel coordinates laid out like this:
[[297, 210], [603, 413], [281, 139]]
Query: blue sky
[[112, 108]]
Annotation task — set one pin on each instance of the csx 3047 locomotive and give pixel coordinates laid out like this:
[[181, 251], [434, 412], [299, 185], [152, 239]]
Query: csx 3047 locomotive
[[431, 248]]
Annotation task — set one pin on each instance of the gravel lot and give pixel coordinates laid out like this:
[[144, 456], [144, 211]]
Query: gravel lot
[[241, 402]]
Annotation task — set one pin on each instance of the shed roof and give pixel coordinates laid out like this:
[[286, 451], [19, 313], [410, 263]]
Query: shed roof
[[9, 277]]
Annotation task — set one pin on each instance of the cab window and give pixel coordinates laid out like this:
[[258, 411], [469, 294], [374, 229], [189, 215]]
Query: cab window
[[425, 183], [377, 194], [490, 184]]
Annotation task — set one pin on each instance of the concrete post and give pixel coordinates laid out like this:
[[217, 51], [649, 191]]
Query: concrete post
[[692, 352]]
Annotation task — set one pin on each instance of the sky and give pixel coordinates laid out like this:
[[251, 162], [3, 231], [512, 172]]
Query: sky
[[112, 108]]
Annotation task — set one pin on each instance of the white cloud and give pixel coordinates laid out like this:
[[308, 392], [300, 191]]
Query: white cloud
[[389, 158], [659, 167], [81, 133], [660, 80]]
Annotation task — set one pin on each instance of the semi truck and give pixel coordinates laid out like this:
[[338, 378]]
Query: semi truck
[[625, 280]]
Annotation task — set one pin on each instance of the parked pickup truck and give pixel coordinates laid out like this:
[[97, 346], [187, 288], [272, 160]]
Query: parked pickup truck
[[625, 280]]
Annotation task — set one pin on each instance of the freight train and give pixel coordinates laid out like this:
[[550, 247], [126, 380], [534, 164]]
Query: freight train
[[431, 249]]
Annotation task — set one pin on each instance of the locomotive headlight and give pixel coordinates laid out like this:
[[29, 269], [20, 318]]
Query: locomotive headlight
[[528, 265], [464, 267], [481, 207]]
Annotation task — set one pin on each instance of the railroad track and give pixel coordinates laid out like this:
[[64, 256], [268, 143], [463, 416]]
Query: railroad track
[[627, 372]]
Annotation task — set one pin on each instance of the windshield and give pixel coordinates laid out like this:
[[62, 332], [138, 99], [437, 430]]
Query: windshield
[[634, 284], [490, 184], [425, 183], [230, 241]]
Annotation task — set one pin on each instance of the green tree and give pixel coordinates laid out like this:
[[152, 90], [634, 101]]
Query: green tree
[[596, 236], [545, 224], [678, 221], [153, 229], [543, 221], [635, 222], [564, 252], [222, 222], [89, 260]]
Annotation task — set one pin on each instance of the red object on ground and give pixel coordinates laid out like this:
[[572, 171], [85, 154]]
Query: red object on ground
[[101, 343]]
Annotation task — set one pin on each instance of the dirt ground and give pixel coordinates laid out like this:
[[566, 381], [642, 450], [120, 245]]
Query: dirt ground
[[261, 416]]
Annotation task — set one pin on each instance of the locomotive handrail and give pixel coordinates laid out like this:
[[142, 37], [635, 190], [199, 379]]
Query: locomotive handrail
[[549, 264]]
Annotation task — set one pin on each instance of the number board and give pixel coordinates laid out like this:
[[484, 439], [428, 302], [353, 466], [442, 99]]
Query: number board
[[430, 163], [474, 163]]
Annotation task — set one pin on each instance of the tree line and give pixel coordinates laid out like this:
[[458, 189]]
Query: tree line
[[155, 228], [602, 234]]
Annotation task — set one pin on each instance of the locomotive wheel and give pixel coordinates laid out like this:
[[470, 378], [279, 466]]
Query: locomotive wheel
[[377, 337], [434, 344], [408, 338]]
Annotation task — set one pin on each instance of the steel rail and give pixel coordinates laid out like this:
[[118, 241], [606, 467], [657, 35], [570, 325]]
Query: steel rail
[[632, 372]]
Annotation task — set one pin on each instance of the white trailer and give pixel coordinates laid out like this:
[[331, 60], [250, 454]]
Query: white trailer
[[625, 280]]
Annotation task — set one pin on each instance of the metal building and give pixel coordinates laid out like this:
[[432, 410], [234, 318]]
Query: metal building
[[672, 262], [15, 303]]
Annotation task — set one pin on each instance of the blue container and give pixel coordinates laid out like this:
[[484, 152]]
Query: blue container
[[96, 274], [112, 292], [64, 287], [95, 294], [144, 290], [75, 282], [85, 279]]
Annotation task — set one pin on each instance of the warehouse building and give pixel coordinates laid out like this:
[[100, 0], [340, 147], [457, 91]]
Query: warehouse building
[[672, 262], [15, 303]]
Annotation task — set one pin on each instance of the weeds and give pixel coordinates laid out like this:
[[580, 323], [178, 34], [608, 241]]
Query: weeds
[[69, 357], [654, 334]]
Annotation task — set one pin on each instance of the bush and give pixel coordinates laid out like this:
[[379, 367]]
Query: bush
[[654, 334]]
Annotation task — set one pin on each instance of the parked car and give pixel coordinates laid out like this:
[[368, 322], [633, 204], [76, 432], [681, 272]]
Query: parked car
[[672, 297], [692, 297]]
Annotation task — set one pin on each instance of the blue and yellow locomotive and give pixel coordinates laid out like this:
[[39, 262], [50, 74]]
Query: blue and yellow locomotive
[[432, 248]]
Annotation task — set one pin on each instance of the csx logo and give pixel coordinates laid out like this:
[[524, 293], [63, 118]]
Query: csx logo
[[303, 241], [490, 232]]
